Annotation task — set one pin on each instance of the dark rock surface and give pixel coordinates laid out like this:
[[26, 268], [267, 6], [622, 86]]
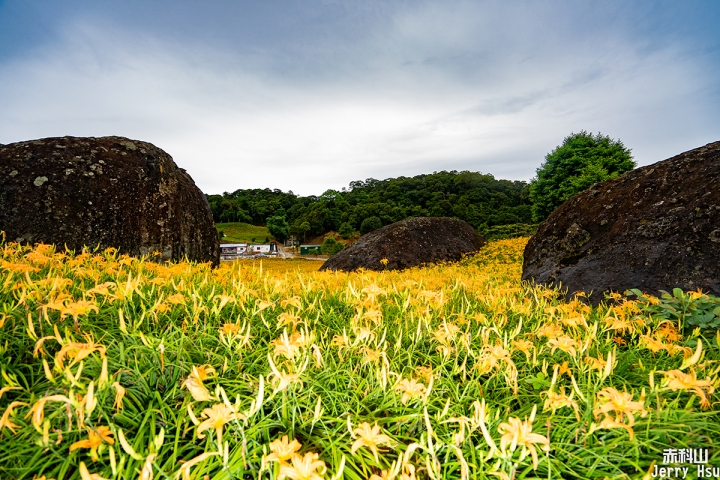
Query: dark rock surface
[[409, 243], [108, 191], [654, 228]]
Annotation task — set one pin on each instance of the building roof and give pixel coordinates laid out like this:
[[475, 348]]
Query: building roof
[[225, 245]]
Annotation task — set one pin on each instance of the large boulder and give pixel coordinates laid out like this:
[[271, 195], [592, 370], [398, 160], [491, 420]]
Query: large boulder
[[655, 228], [408, 243], [106, 192]]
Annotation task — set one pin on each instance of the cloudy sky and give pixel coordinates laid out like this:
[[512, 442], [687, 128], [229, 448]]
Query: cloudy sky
[[309, 95]]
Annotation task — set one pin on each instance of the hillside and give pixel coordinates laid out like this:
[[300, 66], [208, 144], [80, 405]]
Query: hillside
[[238, 232], [476, 198]]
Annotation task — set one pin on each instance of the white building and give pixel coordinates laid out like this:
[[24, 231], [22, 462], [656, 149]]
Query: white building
[[231, 251]]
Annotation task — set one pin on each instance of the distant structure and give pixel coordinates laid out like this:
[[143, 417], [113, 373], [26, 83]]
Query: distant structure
[[233, 251], [310, 248]]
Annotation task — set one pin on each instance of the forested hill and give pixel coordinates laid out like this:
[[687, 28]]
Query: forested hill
[[477, 198]]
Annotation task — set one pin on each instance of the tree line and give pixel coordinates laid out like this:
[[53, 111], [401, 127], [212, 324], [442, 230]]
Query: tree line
[[477, 198], [497, 208]]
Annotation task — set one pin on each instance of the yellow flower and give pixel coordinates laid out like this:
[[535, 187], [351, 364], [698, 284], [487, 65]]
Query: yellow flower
[[518, 433], [286, 318], [595, 363], [262, 305], [425, 373], [294, 301], [224, 299], [7, 389], [203, 372], [5, 420], [668, 331], [620, 325], [198, 391], [608, 423], [411, 389], [574, 321], [677, 380], [524, 346], [560, 400], [119, 394], [229, 329], [652, 344], [697, 294], [611, 400], [384, 261], [86, 475], [37, 411], [217, 416], [194, 382], [184, 471], [550, 330], [78, 351], [564, 343], [369, 437], [308, 467], [287, 346], [370, 355], [284, 379], [96, 436], [282, 450], [176, 298], [147, 472], [102, 289], [81, 307], [373, 290]]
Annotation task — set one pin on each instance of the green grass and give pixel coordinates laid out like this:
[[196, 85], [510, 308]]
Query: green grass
[[238, 232]]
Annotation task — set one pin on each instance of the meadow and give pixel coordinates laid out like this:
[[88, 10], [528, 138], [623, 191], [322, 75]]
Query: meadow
[[238, 232], [114, 367]]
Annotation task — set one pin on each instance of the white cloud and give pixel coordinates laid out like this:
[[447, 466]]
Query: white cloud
[[442, 86]]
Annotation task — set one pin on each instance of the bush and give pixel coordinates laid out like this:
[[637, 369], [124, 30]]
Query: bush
[[689, 310], [581, 161], [346, 230], [370, 224], [330, 246]]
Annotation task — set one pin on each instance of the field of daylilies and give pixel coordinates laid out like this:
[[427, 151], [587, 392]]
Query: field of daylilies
[[114, 367]]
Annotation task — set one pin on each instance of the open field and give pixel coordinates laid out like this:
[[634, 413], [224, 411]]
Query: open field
[[112, 367], [238, 232]]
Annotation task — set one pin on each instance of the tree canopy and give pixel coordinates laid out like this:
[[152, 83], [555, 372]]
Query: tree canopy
[[582, 160], [474, 197]]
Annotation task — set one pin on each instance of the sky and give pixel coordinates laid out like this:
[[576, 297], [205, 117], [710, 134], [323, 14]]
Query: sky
[[309, 95]]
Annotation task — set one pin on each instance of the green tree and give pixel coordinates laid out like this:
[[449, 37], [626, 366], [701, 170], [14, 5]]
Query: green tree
[[330, 246], [346, 230], [278, 227], [582, 160], [370, 224], [303, 229]]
